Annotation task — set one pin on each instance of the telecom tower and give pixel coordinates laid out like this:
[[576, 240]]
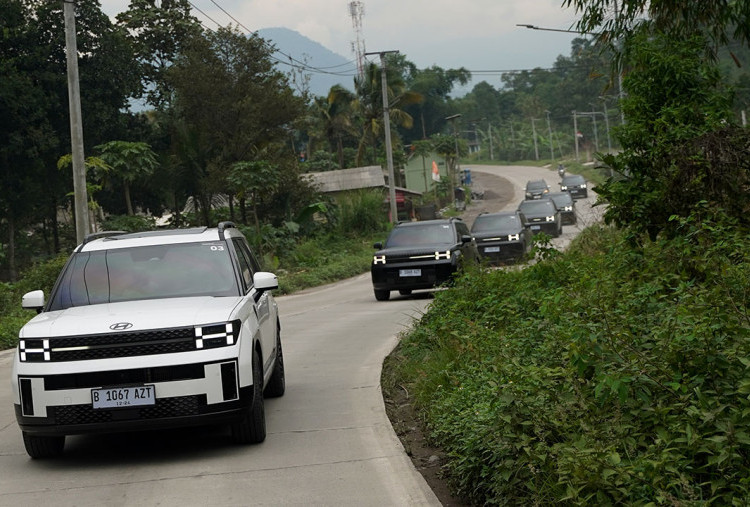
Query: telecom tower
[[356, 11]]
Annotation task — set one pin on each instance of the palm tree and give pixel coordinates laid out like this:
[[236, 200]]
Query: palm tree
[[369, 105]]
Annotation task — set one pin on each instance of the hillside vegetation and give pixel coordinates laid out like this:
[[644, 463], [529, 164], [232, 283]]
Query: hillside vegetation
[[607, 374]]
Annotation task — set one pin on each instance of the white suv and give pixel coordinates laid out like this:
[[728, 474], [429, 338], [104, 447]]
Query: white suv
[[149, 330]]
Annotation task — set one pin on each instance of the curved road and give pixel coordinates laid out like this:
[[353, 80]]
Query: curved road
[[329, 440]]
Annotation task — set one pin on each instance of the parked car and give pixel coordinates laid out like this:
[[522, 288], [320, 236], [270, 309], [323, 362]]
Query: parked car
[[536, 189], [541, 215], [501, 236], [148, 330], [575, 184], [421, 255], [567, 206]]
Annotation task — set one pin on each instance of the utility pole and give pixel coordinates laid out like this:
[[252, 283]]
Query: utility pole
[[536, 147], [551, 148], [596, 134], [387, 126], [76, 124], [575, 133], [452, 178], [489, 135]]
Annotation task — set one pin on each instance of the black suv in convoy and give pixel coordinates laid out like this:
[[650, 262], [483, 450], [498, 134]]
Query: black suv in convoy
[[541, 215], [575, 185], [421, 255], [536, 189], [501, 236], [567, 206]]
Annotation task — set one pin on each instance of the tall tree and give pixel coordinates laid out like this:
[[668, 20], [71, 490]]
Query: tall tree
[[128, 162], [228, 92]]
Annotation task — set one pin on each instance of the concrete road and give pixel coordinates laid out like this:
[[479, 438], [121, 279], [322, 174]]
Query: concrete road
[[329, 441]]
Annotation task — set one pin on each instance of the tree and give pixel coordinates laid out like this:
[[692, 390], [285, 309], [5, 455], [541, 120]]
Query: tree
[[679, 149], [370, 105], [128, 162], [158, 31]]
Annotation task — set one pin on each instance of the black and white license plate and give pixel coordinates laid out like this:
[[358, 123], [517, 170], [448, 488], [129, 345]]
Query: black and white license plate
[[491, 249], [123, 397], [409, 272], [536, 227]]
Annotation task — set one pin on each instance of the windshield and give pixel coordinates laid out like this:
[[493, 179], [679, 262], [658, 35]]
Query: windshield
[[149, 272], [536, 185], [496, 222], [541, 207], [573, 180], [426, 234]]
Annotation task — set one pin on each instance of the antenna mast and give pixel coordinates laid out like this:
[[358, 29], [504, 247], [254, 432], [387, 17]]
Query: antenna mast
[[356, 11]]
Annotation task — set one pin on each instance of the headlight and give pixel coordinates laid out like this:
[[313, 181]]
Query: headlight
[[514, 237], [378, 259], [443, 255], [568, 208], [528, 194], [563, 187], [583, 186], [550, 219]]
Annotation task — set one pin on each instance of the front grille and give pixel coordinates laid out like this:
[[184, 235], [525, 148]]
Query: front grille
[[96, 379], [128, 344], [181, 406]]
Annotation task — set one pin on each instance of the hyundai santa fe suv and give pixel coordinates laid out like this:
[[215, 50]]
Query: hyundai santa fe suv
[[149, 330]]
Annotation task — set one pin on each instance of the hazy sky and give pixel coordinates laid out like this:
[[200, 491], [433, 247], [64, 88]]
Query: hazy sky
[[480, 35]]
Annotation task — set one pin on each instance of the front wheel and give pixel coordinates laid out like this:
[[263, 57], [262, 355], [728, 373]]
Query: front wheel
[[251, 428], [382, 295], [39, 447]]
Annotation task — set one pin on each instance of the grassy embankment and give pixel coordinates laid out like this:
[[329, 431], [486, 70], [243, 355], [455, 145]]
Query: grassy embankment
[[608, 374]]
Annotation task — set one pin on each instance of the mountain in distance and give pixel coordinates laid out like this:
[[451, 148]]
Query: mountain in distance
[[333, 68]]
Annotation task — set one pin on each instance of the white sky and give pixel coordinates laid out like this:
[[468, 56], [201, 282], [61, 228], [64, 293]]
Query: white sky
[[475, 34]]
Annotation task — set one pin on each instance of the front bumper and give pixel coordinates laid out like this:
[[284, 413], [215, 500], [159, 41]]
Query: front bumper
[[401, 275], [186, 395]]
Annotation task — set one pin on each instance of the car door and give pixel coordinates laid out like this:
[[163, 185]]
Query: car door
[[263, 303]]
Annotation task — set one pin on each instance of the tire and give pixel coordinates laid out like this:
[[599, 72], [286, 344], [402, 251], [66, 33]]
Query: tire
[[404, 292], [277, 383], [382, 295], [40, 447], [251, 428]]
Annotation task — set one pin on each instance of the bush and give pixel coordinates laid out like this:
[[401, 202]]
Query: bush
[[605, 375]]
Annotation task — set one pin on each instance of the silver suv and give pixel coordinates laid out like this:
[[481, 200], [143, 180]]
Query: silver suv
[[150, 330]]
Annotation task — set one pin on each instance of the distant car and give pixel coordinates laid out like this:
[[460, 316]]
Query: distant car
[[501, 236], [421, 255], [541, 215], [536, 189], [575, 185], [567, 206]]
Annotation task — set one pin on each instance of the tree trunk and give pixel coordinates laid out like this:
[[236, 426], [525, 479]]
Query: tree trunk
[[12, 249], [340, 148], [128, 204]]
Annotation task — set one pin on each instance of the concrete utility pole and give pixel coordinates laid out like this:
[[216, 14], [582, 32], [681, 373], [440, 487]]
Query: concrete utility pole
[[76, 123], [575, 133], [452, 177], [549, 131], [536, 146], [387, 126]]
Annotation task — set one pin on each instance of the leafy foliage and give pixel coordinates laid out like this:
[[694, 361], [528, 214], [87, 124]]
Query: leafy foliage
[[605, 375]]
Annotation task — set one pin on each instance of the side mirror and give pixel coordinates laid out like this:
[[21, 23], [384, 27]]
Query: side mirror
[[33, 300], [264, 280], [466, 238], [378, 245]]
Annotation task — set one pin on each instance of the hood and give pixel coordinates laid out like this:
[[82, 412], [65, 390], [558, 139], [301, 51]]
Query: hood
[[142, 315]]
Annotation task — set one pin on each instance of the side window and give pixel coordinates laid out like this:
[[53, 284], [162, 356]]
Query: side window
[[462, 230], [246, 269]]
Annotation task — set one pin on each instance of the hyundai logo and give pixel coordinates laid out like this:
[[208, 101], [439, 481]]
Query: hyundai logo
[[121, 326]]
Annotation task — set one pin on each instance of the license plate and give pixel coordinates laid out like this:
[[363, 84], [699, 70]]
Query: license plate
[[409, 272], [122, 397], [536, 227], [492, 249]]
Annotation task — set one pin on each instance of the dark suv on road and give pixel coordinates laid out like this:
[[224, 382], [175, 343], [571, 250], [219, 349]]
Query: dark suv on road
[[421, 255], [501, 236], [536, 189], [575, 185]]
